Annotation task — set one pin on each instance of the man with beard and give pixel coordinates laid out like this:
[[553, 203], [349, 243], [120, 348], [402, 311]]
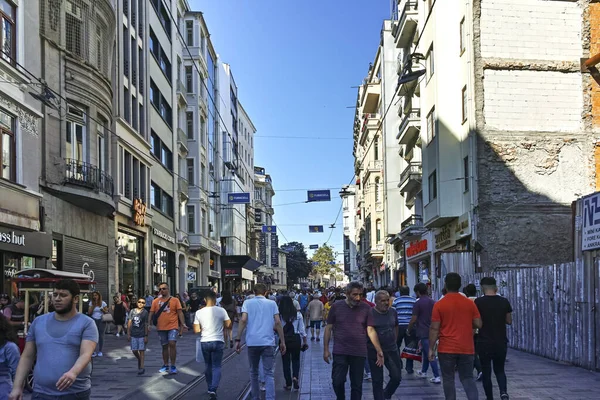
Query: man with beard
[[65, 332]]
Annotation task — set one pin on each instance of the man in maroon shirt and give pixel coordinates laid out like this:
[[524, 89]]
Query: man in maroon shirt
[[351, 323]]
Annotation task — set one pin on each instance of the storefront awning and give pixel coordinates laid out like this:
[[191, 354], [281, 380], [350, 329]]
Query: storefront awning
[[246, 262]]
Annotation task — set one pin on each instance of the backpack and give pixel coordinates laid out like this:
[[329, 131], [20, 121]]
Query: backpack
[[292, 339]]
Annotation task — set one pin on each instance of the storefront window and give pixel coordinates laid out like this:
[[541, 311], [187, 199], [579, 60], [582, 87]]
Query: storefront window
[[163, 267], [11, 263], [131, 262]]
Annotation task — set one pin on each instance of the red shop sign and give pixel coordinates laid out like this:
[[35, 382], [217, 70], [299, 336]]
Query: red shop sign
[[416, 248]]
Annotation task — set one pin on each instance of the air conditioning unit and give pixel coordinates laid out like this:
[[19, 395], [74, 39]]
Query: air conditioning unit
[[74, 10]]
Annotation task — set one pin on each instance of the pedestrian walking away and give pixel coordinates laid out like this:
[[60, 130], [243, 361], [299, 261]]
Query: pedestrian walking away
[[137, 333], [210, 322], [315, 314], [421, 321], [119, 311], [294, 332], [9, 357], [385, 322], [349, 320], [96, 309], [167, 314], [260, 317], [496, 313], [229, 304], [191, 306], [452, 321], [404, 308], [471, 292], [64, 332]]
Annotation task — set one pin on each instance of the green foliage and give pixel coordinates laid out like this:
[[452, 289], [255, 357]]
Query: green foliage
[[298, 265], [323, 261]]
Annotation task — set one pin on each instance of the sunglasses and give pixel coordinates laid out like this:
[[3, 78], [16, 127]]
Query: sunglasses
[[163, 288], [141, 302]]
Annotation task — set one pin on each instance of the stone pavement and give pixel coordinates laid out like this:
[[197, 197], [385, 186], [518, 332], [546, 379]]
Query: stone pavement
[[529, 378]]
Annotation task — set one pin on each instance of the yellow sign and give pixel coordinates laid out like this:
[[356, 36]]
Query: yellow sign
[[139, 212]]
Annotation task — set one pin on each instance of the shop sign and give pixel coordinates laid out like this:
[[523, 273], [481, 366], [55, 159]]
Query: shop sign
[[417, 247], [232, 272], [10, 272], [164, 236], [445, 237], [191, 276], [12, 238], [139, 212], [214, 274], [463, 226], [214, 246], [590, 233]]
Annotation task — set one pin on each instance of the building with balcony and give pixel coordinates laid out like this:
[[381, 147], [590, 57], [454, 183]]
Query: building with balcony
[[77, 132], [348, 195], [264, 245], [26, 238]]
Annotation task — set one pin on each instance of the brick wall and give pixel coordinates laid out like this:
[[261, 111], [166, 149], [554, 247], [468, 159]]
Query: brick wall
[[532, 100], [531, 29]]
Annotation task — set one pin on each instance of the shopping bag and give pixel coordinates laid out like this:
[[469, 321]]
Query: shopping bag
[[412, 350]]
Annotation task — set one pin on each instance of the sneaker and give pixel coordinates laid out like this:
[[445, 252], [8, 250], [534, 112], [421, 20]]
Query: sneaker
[[212, 395], [263, 387], [100, 354], [421, 374], [117, 335], [318, 339], [173, 370], [480, 376], [165, 368], [435, 379], [367, 376], [296, 384], [141, 371], [312, 338], [94, 354], [504, 396]]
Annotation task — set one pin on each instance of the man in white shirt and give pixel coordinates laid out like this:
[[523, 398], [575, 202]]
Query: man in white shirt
[[260, 316], [210, 321]]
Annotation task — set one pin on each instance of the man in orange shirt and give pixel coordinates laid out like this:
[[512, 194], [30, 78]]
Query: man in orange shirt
[[170, 322], [453, 320]]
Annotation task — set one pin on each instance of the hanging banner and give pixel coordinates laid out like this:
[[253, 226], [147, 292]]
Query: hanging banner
[[313, 246], [315, 228], [269, 229], [318, 195], [238, 198]]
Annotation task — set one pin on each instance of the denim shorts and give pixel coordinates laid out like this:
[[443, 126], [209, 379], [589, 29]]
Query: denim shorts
[[85, 395], [168, 336], [315, 324], [137, 343]]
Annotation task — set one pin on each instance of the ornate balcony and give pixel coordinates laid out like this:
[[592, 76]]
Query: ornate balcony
[[183, 189]]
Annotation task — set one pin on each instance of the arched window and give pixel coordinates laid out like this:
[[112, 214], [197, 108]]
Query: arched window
[[377, 190], [378, 231]]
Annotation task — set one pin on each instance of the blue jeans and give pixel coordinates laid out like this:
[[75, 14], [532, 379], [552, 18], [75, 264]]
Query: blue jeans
[[426, 362], [266, 354], [213, 356], [101, 326], [85, 395]]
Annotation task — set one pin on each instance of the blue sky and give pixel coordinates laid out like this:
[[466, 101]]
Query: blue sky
[[295, 63]]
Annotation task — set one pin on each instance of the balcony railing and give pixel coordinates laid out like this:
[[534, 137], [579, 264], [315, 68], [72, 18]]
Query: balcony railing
[[414, 169], [408, 14], [182, 141], [89, 176], [376, 165], [413, 116], [184, 187], [412, 221]]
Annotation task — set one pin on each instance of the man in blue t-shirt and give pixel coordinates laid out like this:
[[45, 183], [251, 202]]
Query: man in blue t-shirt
[[65, 332]]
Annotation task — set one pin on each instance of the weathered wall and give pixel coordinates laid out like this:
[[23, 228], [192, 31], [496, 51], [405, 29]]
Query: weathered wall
[[535, 154]]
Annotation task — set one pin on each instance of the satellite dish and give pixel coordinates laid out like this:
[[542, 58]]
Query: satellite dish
[[411, 76]]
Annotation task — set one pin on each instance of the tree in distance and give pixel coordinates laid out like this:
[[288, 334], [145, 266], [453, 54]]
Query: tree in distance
[[298, 265]]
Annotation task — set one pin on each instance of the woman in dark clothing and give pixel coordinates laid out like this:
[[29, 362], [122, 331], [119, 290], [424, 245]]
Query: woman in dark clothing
[[230, 305], [294, 332], [119, 310]]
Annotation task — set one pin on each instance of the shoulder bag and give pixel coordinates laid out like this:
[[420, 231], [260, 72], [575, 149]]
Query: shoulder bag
[[160, 310]]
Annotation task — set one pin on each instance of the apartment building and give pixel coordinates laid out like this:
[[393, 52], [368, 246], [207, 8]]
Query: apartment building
[[502, 158], [348, 195], [25, 241]]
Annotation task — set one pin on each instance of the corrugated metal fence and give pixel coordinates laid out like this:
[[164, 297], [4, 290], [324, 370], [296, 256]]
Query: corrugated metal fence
[[553, 310]]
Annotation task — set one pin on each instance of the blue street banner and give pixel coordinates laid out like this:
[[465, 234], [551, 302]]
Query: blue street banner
[[318, 195], [269, 229], [313, 246], [238, 198], [315, 228]]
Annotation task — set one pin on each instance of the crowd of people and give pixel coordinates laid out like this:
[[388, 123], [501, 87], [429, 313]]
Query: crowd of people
[[370, 330]]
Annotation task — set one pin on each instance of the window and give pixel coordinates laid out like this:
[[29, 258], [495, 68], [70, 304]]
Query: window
[[8, 147], [464, 104], [57, 258], [126, 52], [160, 55], [202, 130], [378, 231], [431, 126], [7, 35], [202, 175], [189, 79], [160, 200], [163, 16], [127, 174], [466, 173], [161, 104], [161, 151], [74, 29], [430, 64], [377, 190], [101, 148], [190, 171], [189, 120], [191, 215], [462, 36], [189, 32], [75, 142], [376, 147], [203, 222], [432, 186]]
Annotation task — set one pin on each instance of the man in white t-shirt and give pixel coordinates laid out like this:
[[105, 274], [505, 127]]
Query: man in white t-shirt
[[210, 321], [261, 316]]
